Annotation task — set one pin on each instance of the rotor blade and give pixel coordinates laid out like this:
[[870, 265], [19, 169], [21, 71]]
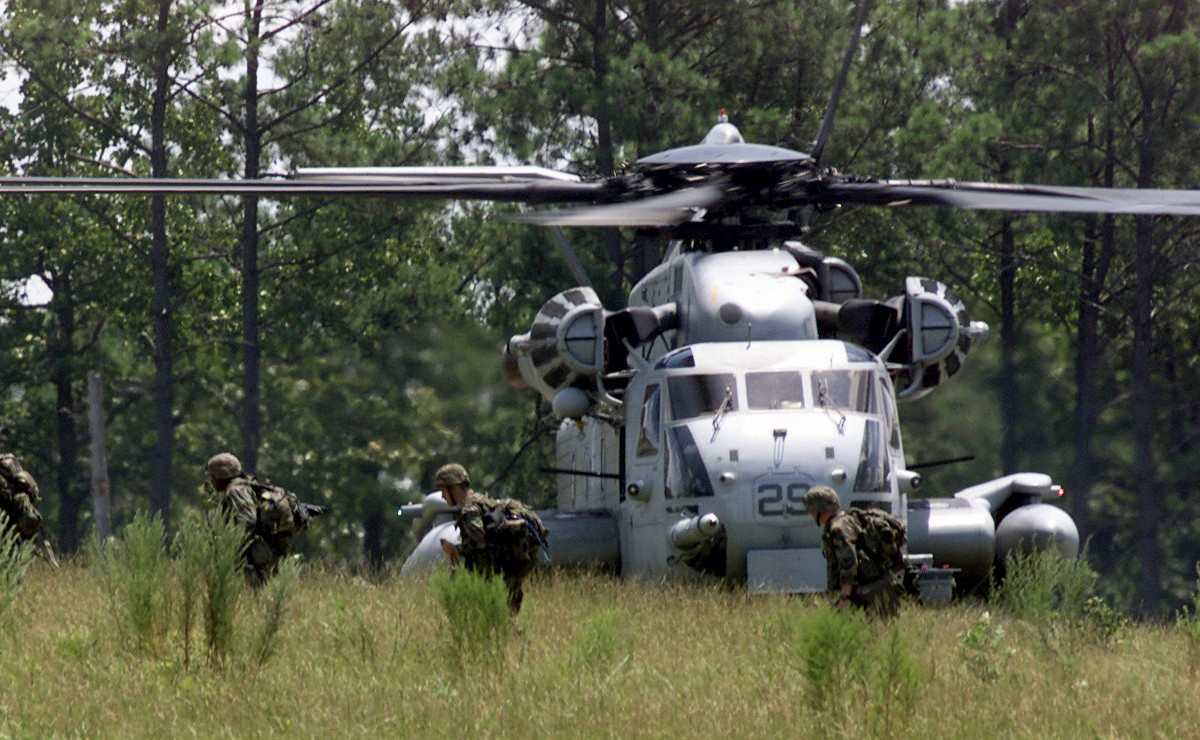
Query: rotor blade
[[818, 147], [658, 210], [518, 184], [998, 197], [479, 173]]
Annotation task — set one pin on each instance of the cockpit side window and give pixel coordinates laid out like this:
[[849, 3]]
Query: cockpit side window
[[889, 414], [848, 390], [651, 427], [775, 390], [701, 395]]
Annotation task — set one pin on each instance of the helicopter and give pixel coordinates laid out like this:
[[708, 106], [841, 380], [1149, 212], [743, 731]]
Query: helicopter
[[744, 369], [695, 418]]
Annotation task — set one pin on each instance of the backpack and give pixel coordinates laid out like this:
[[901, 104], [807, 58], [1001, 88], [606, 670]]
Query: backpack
[[279, 510], [883, 537], [516, 531]]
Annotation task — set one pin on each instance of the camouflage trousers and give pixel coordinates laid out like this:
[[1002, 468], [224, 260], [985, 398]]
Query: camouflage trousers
[[880, 598], [262, 558], [512, 570]]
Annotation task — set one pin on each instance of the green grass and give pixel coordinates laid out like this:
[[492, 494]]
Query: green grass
[[594, 657]]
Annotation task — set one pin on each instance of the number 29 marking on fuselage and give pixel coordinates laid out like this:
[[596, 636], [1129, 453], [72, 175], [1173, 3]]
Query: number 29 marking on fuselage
[[780, 500]]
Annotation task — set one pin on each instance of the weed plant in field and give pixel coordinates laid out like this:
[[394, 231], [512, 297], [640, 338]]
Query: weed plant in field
[[477, 622], [853, 667], [152, 594], [218, 543], [1043, 587], [600, 645], [136, 578], [274, 597], [1187, 621], [983, 650], [15, 556]]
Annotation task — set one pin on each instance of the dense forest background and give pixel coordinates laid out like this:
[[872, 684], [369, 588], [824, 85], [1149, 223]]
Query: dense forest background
[[346, 348]]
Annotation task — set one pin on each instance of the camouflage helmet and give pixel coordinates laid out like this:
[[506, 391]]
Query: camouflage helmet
[[224, 466], [452, 474], [820, 499]]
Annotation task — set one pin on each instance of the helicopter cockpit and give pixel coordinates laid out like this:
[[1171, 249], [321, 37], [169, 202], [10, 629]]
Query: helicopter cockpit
[[740, 432]]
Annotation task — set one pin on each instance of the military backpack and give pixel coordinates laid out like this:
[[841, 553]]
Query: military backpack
[[280, 511], [883, 537], [516, 530]]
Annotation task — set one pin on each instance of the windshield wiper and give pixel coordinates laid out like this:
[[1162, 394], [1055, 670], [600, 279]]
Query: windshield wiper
[[826, 402], [723, 409]]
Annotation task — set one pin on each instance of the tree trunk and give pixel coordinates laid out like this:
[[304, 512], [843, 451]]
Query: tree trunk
[[1145, 473], [252, 138], [164, 382], [62, 375], [1010, 396]]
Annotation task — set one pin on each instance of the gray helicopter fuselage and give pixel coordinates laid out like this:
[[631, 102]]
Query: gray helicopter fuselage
[[741, 430], [695, 419]]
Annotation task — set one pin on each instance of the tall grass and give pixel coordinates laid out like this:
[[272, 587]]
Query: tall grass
[[156, 596], [15, 557], [135, 575], [477, 624], [595, 657]]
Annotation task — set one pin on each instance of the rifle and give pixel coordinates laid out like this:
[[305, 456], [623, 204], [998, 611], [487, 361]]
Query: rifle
[[313, 509]]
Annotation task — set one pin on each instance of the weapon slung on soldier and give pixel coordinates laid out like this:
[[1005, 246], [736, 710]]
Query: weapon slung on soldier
[[314, 509]]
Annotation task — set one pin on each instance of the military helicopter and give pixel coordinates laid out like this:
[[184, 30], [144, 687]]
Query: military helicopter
[[695, 418], [738, 375]]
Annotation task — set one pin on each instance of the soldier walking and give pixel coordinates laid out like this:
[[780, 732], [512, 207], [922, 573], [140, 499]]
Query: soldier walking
[[501, 536], [270, 515]]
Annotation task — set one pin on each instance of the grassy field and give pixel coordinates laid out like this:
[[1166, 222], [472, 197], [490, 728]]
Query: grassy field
[[592, 657]]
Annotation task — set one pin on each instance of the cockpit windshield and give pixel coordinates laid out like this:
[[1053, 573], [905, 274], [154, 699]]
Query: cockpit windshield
[[846, 390], [775, 390], [701, 395]]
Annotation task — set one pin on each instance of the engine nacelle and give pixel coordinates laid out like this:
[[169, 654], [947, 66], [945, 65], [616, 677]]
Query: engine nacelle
[[938, 335], [564, 348]]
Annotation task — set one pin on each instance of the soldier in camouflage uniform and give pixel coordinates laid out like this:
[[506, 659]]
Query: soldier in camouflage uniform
[[854, 573], [496, 536], [250, 504], [19, 498]]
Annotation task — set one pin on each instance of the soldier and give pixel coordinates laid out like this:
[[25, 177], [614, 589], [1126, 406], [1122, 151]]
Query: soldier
[[19, 498], [269, 515], [497, 536], [862, 552]]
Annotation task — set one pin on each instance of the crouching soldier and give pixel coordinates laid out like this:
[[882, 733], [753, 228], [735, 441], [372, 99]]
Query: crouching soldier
[[498, 536], [268, 514], [863, 551]]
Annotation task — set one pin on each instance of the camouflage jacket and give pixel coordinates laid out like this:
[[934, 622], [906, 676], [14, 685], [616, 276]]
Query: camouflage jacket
[[845, 560], [18, 497], [240, 503], [472, 533]]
